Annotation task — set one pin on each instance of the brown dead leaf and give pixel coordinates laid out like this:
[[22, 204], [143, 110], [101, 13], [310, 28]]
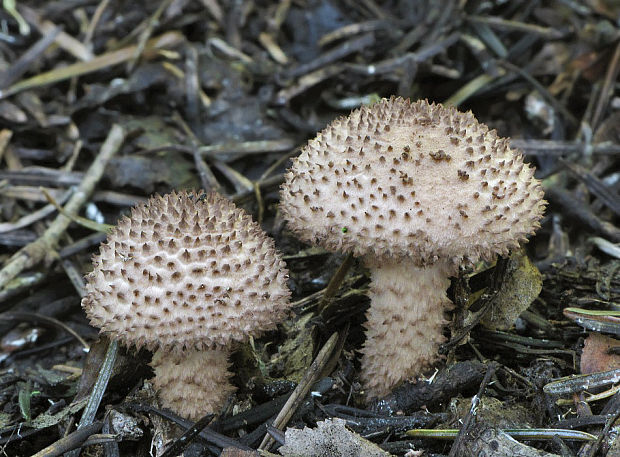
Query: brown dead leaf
[[522, 286], [330, 438], [596, 354]]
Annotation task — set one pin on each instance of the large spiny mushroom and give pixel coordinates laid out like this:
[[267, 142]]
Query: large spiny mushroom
[[415, 190], [187, 274]]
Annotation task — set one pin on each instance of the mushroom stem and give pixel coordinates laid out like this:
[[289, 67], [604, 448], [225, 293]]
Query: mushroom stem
[[192, 383], [405, 321]]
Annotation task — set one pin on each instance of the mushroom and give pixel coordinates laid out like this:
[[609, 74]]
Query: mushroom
[[187, 274], [415, 190]]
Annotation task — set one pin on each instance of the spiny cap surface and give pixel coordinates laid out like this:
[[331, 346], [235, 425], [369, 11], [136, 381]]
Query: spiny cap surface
[[186, 270], [192, 384], [411, 179]]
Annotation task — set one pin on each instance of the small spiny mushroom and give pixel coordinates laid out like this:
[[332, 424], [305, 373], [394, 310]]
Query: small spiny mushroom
[[173, 272]]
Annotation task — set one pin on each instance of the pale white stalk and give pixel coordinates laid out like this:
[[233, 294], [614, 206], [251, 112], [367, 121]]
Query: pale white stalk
[[193, 383], [405, 323]]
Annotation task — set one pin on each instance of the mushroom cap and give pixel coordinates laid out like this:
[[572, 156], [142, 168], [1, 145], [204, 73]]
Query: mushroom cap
[[186, 270], [410, 179]]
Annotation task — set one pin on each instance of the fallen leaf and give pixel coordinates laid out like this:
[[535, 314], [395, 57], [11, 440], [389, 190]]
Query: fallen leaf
[[596, 354], [329, 439]]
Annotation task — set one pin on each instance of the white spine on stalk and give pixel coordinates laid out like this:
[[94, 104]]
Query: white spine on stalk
[[193, 383]]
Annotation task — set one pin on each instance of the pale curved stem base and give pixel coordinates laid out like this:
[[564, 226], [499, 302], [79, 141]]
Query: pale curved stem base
[[405, 323], [193, 383]]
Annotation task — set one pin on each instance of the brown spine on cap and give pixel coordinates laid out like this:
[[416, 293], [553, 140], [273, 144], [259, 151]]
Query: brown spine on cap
[[193, 384], [404, 324]]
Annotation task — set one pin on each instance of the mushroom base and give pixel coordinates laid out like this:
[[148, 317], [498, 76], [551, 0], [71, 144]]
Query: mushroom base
[[405, 322], [193, 383]]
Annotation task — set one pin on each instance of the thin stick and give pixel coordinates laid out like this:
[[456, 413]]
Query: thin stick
[[32, 55], [606, 91], [508, 25], [90, 30], [153, 21], [101, 384], [470, 418], [63, 40], [36, 251], [188, 436], [71, 441], [334, 284], [299, 394]]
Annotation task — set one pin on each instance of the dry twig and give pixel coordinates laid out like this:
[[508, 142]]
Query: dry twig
[[38, 250]]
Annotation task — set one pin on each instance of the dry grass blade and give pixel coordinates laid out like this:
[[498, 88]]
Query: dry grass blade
[[34, 317], [469, 89], [32, 217], [5, 139], [94, 226], [166, 40]]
